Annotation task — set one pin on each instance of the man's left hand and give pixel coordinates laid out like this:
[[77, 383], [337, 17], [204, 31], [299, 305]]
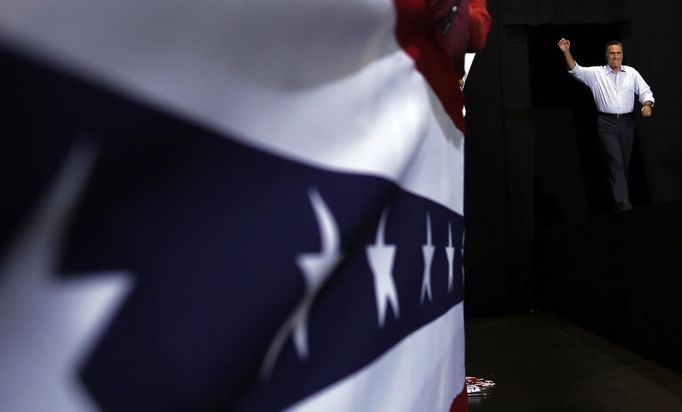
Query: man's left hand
[[646, 111]]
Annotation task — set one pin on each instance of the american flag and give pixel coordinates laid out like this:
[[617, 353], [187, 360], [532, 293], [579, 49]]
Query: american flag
[[244, 205]]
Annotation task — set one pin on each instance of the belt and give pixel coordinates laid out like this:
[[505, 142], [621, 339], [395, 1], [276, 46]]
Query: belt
[[616, 115]]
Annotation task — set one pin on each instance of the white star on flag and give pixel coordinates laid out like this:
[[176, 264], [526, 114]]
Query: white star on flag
[[450, 252], [381, 257], [49, 325], [316, 268], [428, 250]]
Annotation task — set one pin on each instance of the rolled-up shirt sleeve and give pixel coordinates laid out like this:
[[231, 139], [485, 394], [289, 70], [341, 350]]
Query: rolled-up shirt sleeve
[[643, 90], [582, 74]]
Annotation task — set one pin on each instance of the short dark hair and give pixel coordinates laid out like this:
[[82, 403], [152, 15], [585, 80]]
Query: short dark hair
[[612, 43]]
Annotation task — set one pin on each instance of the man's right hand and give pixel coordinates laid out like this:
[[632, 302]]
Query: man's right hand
[[564, 45]]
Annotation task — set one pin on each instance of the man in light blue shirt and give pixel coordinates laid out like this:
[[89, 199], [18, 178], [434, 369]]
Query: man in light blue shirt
[[614, 87]]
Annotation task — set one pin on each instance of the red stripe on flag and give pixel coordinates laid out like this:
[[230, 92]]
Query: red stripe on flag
[[460, 403], [419, 34]]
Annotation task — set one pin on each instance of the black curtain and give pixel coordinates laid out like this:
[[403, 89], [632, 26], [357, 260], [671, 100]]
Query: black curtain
[[536, 12], [522, 110]]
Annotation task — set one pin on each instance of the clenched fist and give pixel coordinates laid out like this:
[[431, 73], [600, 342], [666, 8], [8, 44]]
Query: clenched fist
[[564, 45]]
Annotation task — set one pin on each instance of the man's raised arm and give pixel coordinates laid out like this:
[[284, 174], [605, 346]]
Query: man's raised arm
[[565, 47]]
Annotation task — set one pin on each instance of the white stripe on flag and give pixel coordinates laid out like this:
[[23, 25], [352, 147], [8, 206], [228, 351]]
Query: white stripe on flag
[[421, 373], [327, 85]]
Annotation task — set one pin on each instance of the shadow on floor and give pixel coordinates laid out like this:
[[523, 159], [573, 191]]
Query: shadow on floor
[[540, 363]]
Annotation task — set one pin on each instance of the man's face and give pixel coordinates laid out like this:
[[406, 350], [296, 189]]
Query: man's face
[[614, 56]]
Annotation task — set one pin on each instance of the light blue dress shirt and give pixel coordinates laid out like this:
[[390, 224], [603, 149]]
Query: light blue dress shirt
[[614, 92]]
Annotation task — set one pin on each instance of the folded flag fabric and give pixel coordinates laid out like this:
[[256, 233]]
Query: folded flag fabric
[[235, 205]]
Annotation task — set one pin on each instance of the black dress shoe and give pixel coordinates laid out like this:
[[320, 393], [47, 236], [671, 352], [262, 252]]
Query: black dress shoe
[[622, 206]]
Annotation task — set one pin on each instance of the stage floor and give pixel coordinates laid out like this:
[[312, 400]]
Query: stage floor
[[542, 364]]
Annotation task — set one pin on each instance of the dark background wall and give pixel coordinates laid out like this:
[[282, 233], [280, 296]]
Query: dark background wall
[[533, 160]]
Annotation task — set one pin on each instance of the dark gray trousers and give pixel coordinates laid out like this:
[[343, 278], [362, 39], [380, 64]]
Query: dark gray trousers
[[617, 136]]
